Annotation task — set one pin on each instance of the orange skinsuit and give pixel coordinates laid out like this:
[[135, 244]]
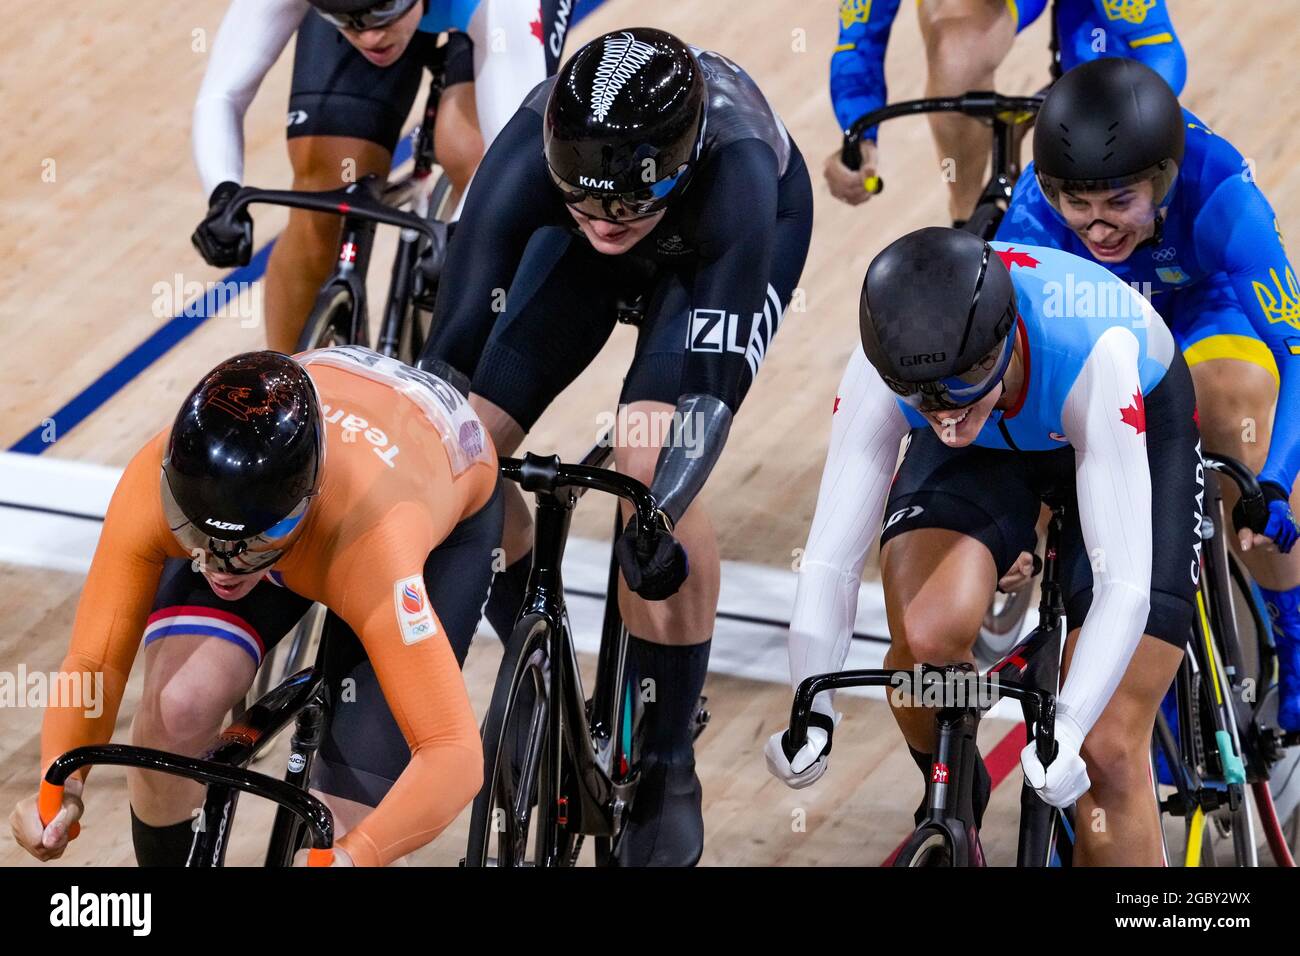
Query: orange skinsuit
[[394, 485]]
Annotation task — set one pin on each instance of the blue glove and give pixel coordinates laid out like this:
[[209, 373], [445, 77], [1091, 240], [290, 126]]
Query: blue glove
[[1281, 525]]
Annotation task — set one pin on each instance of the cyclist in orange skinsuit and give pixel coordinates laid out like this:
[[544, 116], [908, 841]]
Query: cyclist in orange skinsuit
[[409, 469]]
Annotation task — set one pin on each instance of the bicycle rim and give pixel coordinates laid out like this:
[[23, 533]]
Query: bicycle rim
[[934, 851], [291, 655], [516, 753], [330, 321]]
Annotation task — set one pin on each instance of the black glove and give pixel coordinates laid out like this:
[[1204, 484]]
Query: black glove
[[224, 242], [654, 565], [1270, 516]]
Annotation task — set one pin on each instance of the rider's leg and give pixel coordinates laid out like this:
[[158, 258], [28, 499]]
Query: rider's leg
[[457, 135], [1236, 409], [965, 41], [191, 682], [345, 117], [201, 653], [457, 140], [669, 652], [937, 584], [200, 657], [1235, 399], [1117, 822], [528, 360], [304, 254], [946, 541]]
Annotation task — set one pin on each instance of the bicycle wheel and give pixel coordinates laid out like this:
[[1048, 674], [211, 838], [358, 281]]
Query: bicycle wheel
[[419, 314], [291, 655], [330, 322], [1002, 625], [517, 755], [933, 850]]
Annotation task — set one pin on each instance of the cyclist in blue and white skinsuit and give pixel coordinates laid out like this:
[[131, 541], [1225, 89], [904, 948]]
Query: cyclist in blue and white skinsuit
[[1142, 186], [965, 41], [357, 69], [1019, 374]]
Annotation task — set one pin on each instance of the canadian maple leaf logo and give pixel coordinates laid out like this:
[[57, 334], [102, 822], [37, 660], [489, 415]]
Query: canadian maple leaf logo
[[1011, 258], [837, 405], [536, 25], [1135, 413]]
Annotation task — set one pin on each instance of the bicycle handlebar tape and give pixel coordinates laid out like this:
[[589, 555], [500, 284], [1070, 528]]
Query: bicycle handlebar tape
[[323, 857], [851, 153], [50, 802]]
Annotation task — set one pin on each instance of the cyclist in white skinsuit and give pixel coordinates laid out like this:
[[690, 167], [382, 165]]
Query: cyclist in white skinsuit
[[352, 93]]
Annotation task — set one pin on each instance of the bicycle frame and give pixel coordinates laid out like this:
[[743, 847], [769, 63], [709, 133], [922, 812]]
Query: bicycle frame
[[590, 742]]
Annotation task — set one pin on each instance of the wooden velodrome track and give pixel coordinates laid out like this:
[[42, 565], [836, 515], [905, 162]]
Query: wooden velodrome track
[[100, 96]]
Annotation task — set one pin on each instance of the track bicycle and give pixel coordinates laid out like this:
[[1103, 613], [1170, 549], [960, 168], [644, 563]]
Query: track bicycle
[[559, 767], [946, 835]]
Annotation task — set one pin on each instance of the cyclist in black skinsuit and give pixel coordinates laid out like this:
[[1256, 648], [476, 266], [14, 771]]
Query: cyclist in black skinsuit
[[644, 168]]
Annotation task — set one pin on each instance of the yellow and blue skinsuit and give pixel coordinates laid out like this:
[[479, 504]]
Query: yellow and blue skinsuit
[[1088, 29]]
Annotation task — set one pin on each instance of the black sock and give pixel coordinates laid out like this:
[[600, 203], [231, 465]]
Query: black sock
[[677, 673], [507, 597], [161, 846]]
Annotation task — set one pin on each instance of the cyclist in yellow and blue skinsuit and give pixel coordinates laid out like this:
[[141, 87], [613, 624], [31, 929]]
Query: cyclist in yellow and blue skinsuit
[[965, 41], [1145, 188]]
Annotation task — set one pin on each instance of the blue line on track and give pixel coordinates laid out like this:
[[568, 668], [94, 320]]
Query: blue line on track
[[90, 399]]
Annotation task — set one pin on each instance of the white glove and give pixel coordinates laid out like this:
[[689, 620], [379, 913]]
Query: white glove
[[1065, 780], [808, 764]]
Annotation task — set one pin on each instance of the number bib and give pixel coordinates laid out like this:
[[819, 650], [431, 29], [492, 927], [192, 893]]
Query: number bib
[[463, 435]]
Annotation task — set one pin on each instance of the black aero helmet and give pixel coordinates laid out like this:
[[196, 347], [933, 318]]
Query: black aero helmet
[[243, 459], [937, 314], [362, 14], [624, 123], [1107, 124]]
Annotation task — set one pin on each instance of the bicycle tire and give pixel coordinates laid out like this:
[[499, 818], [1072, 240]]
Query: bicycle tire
[[1003, 624], [290, 655], [934, 851], [418, 321], [330, 321], [526, 655]]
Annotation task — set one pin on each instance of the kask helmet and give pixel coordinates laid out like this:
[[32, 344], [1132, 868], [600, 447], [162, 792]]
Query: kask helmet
[[1107, 124], [362, 14], [624, 123], [243, 460], [937, 317]]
